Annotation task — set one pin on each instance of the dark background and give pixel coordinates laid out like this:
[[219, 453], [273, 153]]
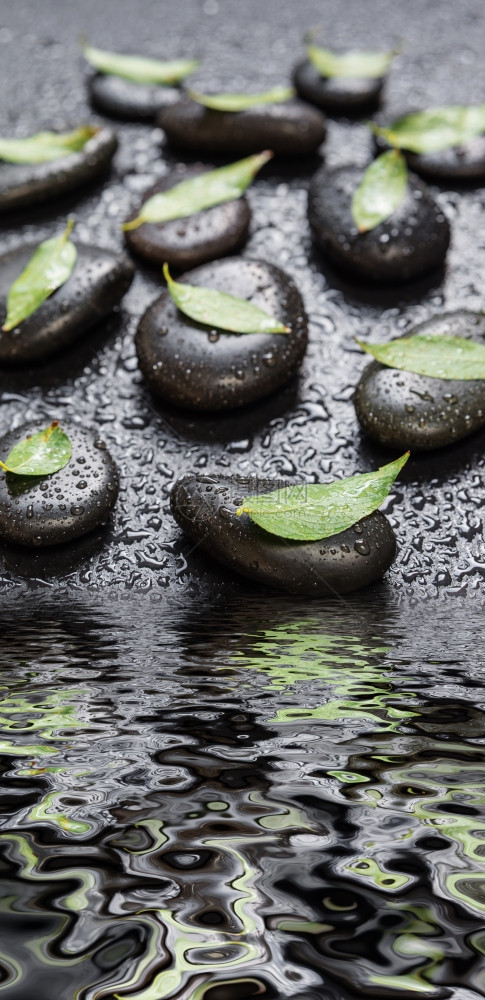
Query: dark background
[[308, 430]]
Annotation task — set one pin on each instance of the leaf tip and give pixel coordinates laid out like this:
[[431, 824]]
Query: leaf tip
[[131, 224], [239, 511], [166, 273], [3, 466]]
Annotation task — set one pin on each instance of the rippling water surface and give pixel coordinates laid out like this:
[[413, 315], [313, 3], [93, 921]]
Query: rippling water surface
[[261, 798]]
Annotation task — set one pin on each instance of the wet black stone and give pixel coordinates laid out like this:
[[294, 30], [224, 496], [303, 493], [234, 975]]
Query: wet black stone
[[204, 507], [127, 100], [404, 410], [48, 510], [412, 241], [292, 128], [99, 280], [203, 368], [336, 94], [23, 184], [461, 163], [193, 240]]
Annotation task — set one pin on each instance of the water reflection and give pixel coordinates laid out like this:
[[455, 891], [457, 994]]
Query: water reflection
[[251, 799]]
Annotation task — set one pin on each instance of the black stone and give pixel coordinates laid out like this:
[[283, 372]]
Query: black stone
[[96, 285], [292, 128], [193, 240], [338, 94], [48, 510], [23, 184], [404, 410], [127, 100], [202, 368], [204, 507], [411, 242], [461, 163]]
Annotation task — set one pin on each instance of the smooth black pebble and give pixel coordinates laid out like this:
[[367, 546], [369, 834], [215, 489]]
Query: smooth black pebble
[[47, 510], [128, 100], [23, 184], [337, 94], [404, 410], [99, 280], [205, 508], [460, 163], [411, 242], [206, 368], [193, 240], [292, 128]]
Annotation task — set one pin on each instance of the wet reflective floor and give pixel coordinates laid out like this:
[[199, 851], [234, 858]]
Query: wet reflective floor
[[257, 797]]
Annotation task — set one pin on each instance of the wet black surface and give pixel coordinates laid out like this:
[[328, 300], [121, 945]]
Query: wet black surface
[[409, 243], [189, 770], [200, 367], [99, 280], [194, 239], [405, 410], [308, 430], [48, 510], [337, 95], [25, 184], [127, 100], [205, 507]]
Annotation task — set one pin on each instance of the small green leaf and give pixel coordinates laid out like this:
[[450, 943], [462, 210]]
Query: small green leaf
[[45, 146], [435, 129], [39, 454], [312, 511], [227, 312], [239, 102], [140, 69], [351, 64], [439, 356], [203, 191], [50, 266], [380, 191]]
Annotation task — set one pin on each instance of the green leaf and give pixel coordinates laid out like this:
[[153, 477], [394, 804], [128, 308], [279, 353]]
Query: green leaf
[[380, 191], [309, 512], [39, 454], [439, 356], [140, 69], [203, 191], [354, 64], [239, 102], [50, 266], [227, 312], [435, 129], [45, 146]]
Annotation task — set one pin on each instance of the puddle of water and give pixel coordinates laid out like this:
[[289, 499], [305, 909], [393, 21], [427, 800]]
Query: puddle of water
[[252, 799]]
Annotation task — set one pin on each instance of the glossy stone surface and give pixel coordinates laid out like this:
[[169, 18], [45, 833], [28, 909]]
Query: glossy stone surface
[[404, 410], [188, 242], [47, 510], [24, 184], [204, 506], [460, 163], [99, 280], [338, 94], [127, 100], [292, 128], [411, 242], [203, 368]]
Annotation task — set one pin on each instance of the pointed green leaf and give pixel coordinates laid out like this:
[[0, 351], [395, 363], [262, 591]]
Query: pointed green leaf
[[45, 146], [140, 69], [351, 64], [218, 309], [203, 191], [240, 102], [440, 356], [380, 191], [435, 129], [312, 511], [50, 266], [39, 454]]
